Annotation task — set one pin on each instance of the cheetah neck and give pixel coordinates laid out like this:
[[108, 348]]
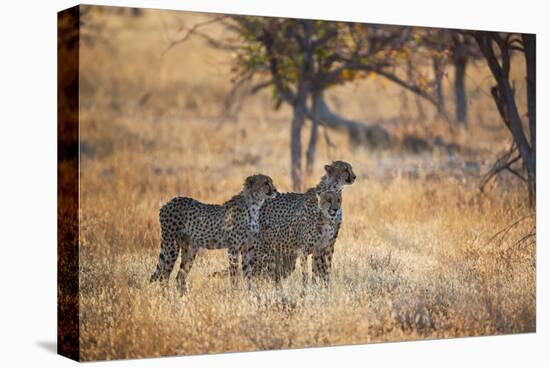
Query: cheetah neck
[[253, 206], [328, 183], [325, 227], [323, 219]]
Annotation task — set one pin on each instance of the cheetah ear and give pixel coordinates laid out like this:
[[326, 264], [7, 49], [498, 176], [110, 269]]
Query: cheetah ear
[[329, 168], [249, 182]]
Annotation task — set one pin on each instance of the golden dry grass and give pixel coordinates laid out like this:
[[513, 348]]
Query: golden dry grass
[[414, 258]]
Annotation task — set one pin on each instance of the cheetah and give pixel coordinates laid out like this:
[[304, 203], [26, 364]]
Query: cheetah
[[282, 219], [317, 236], [309, 233], [188, 224]]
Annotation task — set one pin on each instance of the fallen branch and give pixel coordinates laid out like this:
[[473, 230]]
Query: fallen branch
[[360, 133], [525, 238], [370, 135], [502, 233]]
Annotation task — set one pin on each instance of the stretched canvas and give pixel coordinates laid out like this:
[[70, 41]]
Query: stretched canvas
[[231, 183]]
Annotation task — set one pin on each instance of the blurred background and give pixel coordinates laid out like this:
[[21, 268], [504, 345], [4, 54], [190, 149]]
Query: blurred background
[[418, 99]]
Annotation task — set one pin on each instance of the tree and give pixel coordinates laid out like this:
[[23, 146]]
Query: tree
[[463, 49], [497, 49], [304, 58], [446, 46], [301, 59]]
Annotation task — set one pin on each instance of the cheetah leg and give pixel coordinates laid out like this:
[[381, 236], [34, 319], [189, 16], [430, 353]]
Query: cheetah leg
[[188, 254], [322, 263], [317, 268], [303, 264], [265, 262], [248, 258], [233, 264], [328, 260], [278, 269], [168, 254]]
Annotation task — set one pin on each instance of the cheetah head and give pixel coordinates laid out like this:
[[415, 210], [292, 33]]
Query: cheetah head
[[260, 187], [340, 173], [329, 203]]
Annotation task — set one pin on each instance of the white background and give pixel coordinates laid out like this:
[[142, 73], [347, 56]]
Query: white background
[[28, 180]]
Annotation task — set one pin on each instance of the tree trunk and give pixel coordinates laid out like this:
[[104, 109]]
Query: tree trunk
[[421, 115], [420, 109], [298, 118], [460, 62], [507, 101], [300, 106], [518, 134], [312, 147], [438, 86], [529, 45]]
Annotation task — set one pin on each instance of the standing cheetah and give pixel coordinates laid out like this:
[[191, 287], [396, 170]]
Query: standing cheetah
[[281, 217], [310, 232], [189, 224], [318, 235]]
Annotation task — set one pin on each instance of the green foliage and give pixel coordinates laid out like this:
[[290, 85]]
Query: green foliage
[[297, 56], [324, 54]]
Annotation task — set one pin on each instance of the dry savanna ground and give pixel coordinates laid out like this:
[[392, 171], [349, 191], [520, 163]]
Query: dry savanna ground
[[417, 256]]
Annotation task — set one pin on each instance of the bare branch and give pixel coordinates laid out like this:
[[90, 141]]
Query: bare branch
[[525, 238], [191, 31], [233, 101], [502, 233], [504, 162], [516, 173], [261, 86], [407, 85]]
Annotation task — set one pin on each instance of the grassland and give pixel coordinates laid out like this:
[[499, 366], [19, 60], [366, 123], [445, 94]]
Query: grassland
[[417, 255]]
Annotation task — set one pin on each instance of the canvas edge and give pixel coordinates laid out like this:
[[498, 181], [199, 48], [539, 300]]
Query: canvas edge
[[68, 40]]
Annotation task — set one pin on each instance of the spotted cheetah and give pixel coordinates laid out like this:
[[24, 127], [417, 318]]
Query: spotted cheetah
[[318, 236], [283, 217], [190, 224], [310, 232]]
